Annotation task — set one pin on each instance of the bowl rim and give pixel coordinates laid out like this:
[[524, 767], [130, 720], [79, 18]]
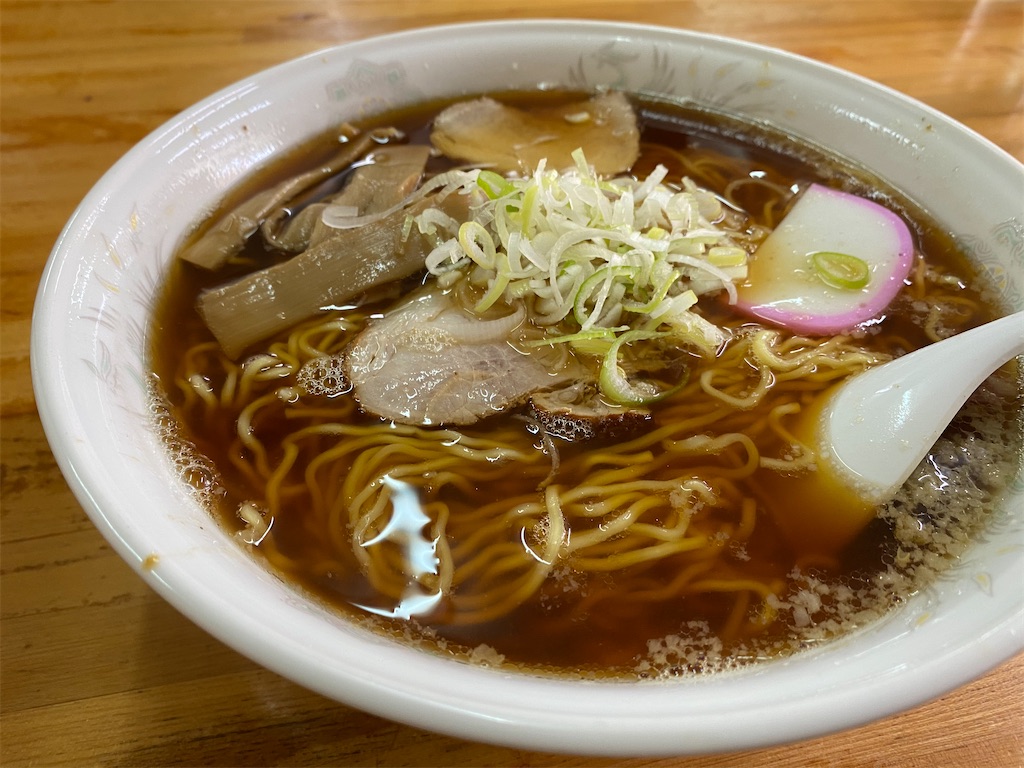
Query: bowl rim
[[512, 721]]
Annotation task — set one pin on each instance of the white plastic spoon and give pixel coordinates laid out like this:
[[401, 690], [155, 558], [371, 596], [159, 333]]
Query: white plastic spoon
[[878, 425], [872, 431]]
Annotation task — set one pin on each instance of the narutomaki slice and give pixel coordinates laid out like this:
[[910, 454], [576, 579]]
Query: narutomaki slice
[[834, 262]]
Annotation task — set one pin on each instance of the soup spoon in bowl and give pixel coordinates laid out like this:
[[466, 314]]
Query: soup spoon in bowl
[[873, 430]]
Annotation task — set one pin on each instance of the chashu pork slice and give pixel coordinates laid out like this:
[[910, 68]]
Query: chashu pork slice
[[578, 413], [508, 139], [430, 362]]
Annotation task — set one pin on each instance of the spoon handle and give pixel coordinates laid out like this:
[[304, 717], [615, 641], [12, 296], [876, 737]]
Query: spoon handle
[[881, 423]]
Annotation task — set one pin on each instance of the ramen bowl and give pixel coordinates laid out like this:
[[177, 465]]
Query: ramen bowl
[[89, 358]]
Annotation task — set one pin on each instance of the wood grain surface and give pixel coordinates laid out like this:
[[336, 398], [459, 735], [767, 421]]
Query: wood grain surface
[[95, 669]]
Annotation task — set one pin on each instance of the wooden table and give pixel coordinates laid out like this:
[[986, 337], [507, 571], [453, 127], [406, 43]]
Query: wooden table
[[96, 669]]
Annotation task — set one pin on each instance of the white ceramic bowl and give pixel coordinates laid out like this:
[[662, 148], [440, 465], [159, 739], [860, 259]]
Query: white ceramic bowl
[[89, 360]]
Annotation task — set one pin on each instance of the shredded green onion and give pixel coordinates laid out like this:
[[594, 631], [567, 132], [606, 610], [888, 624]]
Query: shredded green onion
[[494, 185], [727, 256], [610, 256], [604, 277], [841, 270], [477, 243], [590, 334], [614, 384]]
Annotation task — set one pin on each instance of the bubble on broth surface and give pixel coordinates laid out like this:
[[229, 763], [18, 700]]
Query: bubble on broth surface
[[190, 464], [324, 376]]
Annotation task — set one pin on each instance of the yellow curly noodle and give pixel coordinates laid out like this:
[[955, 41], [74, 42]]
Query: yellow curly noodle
[[677, 493]]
